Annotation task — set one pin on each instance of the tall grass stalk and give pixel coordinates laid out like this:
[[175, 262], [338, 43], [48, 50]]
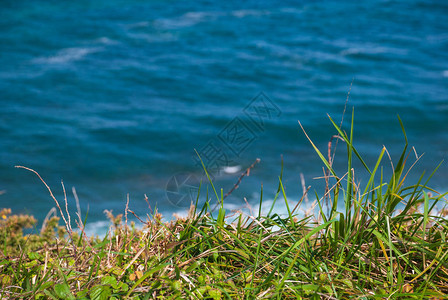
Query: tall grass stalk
[[385, 241]]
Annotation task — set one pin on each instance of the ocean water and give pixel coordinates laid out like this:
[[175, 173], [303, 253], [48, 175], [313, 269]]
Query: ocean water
[[113, 97]]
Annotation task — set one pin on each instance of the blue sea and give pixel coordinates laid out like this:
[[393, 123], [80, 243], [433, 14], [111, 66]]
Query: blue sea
[[114, 97]]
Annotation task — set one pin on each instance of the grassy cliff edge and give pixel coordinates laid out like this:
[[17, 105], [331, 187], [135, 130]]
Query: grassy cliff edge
[[388, 240]]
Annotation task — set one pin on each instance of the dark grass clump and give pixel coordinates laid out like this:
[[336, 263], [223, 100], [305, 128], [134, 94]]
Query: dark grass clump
[[387, 241]]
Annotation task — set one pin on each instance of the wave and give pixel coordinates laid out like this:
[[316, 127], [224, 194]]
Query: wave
[[153, 38], [278, 207], [100, 228], [105, 41], [195, 17], [440, 38], [371, 50], [231, 169], [249, 12], [187, 20], [66, 55], [142, 24]]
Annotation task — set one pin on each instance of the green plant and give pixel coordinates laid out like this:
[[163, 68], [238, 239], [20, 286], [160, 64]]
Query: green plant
[[380, 240]]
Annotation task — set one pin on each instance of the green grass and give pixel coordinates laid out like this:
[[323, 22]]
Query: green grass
[[384, 239]]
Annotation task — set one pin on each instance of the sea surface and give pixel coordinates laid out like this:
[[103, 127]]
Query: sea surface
[[114, 97]]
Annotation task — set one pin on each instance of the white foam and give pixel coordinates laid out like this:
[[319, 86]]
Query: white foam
[[248, 12], [279, 208], [231, 169], [106, 41], [195, 17], [361, 50], [445, 73], [66, 55], [99, 228], [198, 16], [187, 20], [153, 38], [372, 50]]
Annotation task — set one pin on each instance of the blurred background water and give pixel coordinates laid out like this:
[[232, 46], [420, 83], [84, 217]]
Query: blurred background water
[[114, 96]]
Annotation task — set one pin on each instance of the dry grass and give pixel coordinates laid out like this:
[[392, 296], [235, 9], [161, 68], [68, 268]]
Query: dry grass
[[388, 241]]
